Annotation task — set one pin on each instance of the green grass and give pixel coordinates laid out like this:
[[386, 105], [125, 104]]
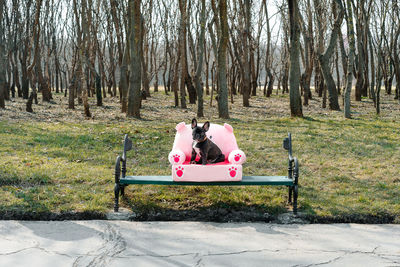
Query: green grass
[[65, 164]]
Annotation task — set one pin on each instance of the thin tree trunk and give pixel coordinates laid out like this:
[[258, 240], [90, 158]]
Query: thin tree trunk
[[200, 47], [223, 43], [295, 99], [183, 9], [246, 54], [123, 81], [2, 60], [372, 84], [71, 97], [135, 78], [349, 78]]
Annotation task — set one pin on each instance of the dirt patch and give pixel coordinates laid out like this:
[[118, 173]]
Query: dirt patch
[[223, 215], [51, 216]]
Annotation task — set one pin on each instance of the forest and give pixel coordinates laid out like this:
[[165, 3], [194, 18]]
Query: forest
[[77, 75], [126, 49]]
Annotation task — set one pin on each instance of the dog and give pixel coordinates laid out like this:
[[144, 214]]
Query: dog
[[204, 147]]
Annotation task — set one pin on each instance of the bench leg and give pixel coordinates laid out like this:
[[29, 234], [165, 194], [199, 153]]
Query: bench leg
[[122, 189], [295, 195], [290, 194], [116, 194]]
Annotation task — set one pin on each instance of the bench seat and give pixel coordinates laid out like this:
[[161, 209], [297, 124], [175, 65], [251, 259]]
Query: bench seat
[[246, 180]]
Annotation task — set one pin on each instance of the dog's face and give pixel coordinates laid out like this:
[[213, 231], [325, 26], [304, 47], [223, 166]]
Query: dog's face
[[199, 133]]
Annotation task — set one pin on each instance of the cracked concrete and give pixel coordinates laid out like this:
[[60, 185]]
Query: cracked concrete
[[123, 243]]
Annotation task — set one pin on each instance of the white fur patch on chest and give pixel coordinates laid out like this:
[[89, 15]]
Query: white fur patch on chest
[[196, 148]]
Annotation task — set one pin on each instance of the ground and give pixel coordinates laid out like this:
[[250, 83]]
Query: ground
[[55, 164], [122, 243]]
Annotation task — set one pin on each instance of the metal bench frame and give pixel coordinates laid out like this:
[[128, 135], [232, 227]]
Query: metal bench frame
[[291, 181]]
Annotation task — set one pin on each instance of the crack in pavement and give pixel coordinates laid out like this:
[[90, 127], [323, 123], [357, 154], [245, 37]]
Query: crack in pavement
[[348, 252], [322, 263], [35, 247], [113, 245], [199, 259], [196, 254], [17, 251]]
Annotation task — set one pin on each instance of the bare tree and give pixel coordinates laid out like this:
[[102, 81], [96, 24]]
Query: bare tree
[[199, 67], [350, 64], [295, 100], [2, 57], [182, 44], [222, 46], [324, 59], [135, 76]]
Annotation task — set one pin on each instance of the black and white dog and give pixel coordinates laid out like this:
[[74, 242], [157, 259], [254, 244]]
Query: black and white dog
[[204, 147]]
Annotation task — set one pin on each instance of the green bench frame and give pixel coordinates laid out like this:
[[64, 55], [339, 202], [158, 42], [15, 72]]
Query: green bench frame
[[291, 181]]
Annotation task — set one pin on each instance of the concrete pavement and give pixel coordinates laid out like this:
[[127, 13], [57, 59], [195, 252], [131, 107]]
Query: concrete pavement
[[123, 243]]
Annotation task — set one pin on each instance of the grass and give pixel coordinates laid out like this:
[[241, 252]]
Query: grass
[[55, 161]]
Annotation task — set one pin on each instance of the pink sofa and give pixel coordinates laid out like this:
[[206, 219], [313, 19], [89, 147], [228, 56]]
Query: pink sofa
[[223, 137]]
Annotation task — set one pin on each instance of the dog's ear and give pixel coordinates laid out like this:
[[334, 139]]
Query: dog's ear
[[194, 123], [206, 126]]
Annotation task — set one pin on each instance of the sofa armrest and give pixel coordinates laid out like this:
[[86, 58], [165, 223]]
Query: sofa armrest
[[176, 157], [237, 157]]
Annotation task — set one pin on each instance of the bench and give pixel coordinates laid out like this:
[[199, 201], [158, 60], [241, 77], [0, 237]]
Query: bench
[[291, 181]]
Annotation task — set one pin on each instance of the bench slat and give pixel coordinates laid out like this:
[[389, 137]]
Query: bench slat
[[246, 180]]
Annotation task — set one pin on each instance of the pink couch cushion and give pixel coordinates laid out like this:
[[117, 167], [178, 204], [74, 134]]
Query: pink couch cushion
[[223, 171], [222, 136]]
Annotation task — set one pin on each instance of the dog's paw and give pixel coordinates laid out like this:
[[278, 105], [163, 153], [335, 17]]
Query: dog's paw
[[232, 172]]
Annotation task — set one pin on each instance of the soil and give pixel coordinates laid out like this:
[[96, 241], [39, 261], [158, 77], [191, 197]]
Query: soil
[[205, 215]]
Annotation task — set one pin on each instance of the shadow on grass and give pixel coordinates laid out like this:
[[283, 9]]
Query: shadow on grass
[[307, 118], [240, 212], [218, 212]]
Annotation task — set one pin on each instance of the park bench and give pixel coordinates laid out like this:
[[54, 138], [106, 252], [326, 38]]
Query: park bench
[[291, 181]]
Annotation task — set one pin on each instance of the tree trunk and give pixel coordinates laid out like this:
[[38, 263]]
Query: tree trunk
[[123, 81], [72, 89], [372, 84], [29, 103], [324, 61], [175, 79], [135, 78], [223, 43], [377, 92], [295, 99], [319, 83], [99, 96], [349, 78], [190, 87], [182, 43], [343, 56], [270, 83], [305, 80], [2, 59], [246, 88], [199, 67]]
